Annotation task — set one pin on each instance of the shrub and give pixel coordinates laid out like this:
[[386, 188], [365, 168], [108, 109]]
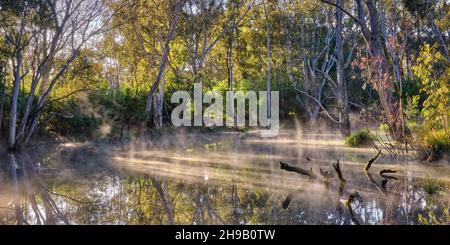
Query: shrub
[[359, 138], [433, 143], [431, 185]]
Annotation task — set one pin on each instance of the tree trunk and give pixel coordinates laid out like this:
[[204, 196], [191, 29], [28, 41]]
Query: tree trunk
[[158, 105], [2, 96], [268, 60], [13, 110], [162, 66], [380, 76], [341, 88]]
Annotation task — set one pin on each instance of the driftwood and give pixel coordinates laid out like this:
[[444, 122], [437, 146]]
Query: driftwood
[[310, 173], [369, 163], [337, 167]]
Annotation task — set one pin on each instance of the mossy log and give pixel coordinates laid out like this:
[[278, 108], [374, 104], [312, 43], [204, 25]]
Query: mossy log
[[310, 173]]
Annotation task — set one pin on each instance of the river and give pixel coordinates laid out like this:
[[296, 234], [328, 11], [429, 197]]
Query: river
[[219, 178]]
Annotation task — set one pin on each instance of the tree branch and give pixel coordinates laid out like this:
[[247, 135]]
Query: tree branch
[[319, 104]]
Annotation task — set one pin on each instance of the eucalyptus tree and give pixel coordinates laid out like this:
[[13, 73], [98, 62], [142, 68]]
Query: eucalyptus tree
[[376, 63], [46, 37]]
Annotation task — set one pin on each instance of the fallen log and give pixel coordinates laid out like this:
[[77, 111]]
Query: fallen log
[[369, 163], [337, 167], [310, 173]]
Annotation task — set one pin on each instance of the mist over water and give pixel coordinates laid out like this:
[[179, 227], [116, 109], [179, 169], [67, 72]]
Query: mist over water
[[218, 178]]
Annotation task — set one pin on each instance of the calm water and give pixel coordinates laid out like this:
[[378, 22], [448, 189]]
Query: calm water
[[229, 178]]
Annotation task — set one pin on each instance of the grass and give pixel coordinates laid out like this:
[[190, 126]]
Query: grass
[[359, 138], [431, 185]]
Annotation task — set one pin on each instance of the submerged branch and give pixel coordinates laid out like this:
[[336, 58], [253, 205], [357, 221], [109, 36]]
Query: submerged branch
[[290, 197], [374, 182], [337, 167], [353, 197], [369, 163], [383, 173], [310, 173], [387, 171], [325, 174]]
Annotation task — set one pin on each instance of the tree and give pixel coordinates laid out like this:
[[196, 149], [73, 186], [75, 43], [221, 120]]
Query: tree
[[341, 87], [377, 65], [50, 34]]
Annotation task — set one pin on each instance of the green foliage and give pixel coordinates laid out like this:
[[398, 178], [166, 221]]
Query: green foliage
[[69, 119], [433, 71], [359, 138], [384, 127]]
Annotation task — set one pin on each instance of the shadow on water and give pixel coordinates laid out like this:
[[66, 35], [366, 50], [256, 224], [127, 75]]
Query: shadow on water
[[220, 179]]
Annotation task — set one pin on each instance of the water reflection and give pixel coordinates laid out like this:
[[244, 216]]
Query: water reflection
[[223, 179]]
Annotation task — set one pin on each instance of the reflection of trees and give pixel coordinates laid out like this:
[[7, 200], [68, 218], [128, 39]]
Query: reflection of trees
[[384, 207], [31, 200], [37, 196]]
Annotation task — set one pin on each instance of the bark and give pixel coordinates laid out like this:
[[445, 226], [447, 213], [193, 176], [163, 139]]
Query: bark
[[158, 106], [268, 59], [2, 95], [162, 66], [380, 73], [14, 101], [341, 89]]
